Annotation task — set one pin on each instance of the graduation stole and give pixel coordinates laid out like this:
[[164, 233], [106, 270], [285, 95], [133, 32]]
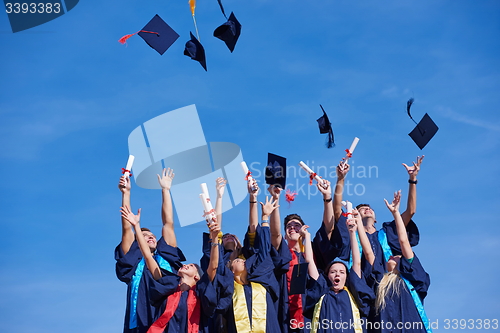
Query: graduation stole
[[136, 279], [193, 305], [382, 237], [240, 309], [294, 301], [355, 314]]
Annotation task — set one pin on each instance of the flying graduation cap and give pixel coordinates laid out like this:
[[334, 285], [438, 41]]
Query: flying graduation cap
[[326, 127], [276, 170], [195, 50], [158, 34], [425, 129], [228, 32]]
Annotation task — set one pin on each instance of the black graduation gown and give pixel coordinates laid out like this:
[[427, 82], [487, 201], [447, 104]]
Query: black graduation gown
[[401, 308], [126, 265], [336, 310]]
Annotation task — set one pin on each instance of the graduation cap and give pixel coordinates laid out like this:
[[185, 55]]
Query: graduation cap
[[425, 129], [276, 170], [299, 279], [158, 34], [229, 32], [195, 50], [326, 127]]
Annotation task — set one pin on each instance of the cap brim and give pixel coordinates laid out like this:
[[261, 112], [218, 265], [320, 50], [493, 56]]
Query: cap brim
[[158, 34], [229, 32], [195, 51], [424, 131]]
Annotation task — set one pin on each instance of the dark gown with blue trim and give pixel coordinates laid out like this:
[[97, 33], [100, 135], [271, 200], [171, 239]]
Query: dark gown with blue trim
[[401, 308], [126, 265], [260, 269], [336, 308]]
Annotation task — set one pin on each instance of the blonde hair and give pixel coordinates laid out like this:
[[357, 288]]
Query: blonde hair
[[390, 284]]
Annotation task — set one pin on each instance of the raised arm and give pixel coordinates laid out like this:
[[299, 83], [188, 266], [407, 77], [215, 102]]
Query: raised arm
[[220, 186], [411, 207], [127, 234], [400, 226], [167, 211], [352, 226], [328, 219], [342, 170], [253, 218], [275, 226], [308, 252], [135, 220], [214, 228], [363, 239]]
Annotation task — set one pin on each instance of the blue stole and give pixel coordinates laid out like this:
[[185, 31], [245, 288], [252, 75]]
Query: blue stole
[[360, 251], [382, 237], [136, 279]]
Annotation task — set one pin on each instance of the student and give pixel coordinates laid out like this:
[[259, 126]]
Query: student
[[130, 263], [256, 291], [340, 238], [339, 300], [400, 289]]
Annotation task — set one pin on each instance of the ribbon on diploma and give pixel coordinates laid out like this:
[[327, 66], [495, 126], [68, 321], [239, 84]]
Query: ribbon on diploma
[[311, 177], [125, 170], [348, 153]]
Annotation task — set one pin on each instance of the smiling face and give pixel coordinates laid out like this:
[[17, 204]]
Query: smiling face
[[337, 275], [292, 230], [366, 211], [393, 262], [189, 271], [150, 239], [230, 242]]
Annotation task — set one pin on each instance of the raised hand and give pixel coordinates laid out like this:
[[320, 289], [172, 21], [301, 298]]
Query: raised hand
[[124, 185], [220, 186], [413, 170], [352, 225], [130, 217], [275, 191], [342, 169], [303, 232], [394, 205], [269, 206], [325, 189], [165, 180], [252, 186]]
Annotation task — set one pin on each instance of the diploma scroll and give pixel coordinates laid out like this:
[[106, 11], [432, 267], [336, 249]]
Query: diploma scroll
[[248, 174], [208, 210], [312, 174], [351, 149], [128, 168]]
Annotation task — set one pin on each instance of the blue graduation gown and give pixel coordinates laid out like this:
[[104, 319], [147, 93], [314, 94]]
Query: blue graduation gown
[[213, 297], [336, 310], [126, 265], [260, 269], [401, 308]]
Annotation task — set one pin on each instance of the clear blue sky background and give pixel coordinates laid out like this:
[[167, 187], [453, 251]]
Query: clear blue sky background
[[71, 94]]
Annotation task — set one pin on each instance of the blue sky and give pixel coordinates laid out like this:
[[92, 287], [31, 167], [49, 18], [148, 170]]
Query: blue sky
[[71, 95]]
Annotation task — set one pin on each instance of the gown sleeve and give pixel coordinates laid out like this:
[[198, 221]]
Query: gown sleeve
[[127, 263]]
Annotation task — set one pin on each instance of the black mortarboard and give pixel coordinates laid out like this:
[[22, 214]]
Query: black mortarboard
[[195, 50], [425, 129], [158, 34], [229, 32], [276, 170], [299, 279], [326, 127]]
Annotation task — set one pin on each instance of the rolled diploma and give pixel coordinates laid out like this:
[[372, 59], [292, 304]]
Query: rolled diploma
[[204, 189], [245, 170], [348, 207], [208, 210], [130, 162], [309, 171], [353, 146]]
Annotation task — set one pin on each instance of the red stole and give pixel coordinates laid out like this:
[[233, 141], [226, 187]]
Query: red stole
[[294, 301], [193, 305]]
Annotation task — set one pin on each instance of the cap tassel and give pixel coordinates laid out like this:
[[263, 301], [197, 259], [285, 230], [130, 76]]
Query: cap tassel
[[408, 106], [124, 39], [331, 141]]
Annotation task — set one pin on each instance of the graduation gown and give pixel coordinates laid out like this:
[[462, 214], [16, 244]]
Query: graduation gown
[[336, 309], [401, 308], [126, 265], [260, 269]]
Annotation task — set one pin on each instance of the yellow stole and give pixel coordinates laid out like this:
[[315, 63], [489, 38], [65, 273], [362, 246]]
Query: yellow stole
[[355, 314], [259, 307]]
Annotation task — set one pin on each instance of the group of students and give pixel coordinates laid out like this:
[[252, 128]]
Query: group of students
[[349, 277]]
